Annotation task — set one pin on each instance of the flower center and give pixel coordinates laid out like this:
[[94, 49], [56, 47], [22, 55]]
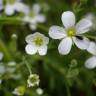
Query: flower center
[[34, 79], [71, 32], [11, 1], [31, 14], [38, 41]]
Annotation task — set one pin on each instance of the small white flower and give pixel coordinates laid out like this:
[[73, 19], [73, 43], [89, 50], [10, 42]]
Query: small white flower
[[91, 62], [37, 43], [34, 17], [19, 91], [33, 80], [72, 33], [39, 91], [12, 6], [92, 48]]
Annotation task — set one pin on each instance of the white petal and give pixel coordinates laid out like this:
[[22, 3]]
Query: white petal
[[91, 63], [40, 18], [65, 46], [57, 32], [26, 19], [92, 48], [43, 50], [36, 8], [33, 20], [33, 26], [82, 44], [46, 40], [9, 9], [30, 49], [29, 39], [68, 19], [83, 26], [22, 7]]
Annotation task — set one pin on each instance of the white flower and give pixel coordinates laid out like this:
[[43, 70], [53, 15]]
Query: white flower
[[33, 80], [37, 43], [12, 6], [72, 33], [34, 17], [19, 91], [39, 91], [91, 62], [92, 48]]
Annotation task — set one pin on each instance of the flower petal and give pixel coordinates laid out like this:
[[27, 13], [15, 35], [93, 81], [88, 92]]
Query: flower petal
[[36, 8], [40, 18], [83, 26], [82, 44], [22, 7], [33, 26], [30, 49], [68, 19], [9, 9], [46, 40], [65, 46], [43, 50], [91, 62], [57, 32], [92, 48], [30, 38]]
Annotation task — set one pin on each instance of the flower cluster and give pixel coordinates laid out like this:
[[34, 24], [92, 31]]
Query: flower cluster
[[32, 16], [69, 35]]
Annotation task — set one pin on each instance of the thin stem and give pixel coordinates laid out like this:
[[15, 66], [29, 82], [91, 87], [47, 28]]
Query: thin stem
[[17, 20], [10, 19], [91, 37], [43, 27], [67, 90], [27, 65], [4, 49]]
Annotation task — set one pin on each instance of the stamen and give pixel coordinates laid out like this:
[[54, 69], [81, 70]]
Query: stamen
[[71, 32], [38, 41]]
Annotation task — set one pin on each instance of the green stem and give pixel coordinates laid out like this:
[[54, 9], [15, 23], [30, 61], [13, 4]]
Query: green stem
[[43, 27], [3, 48], [10, 19], [91, 37], [17, 20], [67, 90], [28, 67]]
